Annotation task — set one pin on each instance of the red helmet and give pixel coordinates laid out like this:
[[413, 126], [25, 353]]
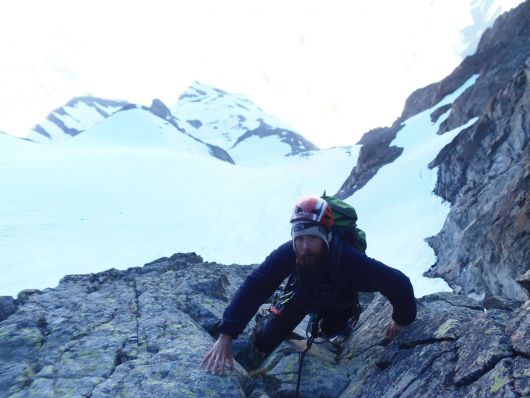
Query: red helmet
[[313, 209]]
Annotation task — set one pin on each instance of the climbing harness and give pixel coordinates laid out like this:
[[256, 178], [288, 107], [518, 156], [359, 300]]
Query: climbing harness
[[313, 331]]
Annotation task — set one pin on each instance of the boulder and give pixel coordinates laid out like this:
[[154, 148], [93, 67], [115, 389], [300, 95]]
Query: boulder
[[7, 306]]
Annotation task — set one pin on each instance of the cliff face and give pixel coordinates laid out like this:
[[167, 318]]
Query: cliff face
[[143, 332], [375, 152], [484, 173], [138, 333]]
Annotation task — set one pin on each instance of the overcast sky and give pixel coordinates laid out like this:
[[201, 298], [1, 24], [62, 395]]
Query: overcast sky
[[332, 70]]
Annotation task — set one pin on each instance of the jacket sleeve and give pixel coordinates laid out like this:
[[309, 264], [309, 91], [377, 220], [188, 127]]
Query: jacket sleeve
[[369, 275], [257, 288]]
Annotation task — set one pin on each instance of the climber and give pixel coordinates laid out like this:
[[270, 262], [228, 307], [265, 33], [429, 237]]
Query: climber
[[327, 274]]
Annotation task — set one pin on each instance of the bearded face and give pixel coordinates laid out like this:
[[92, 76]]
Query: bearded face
[[309, 250]]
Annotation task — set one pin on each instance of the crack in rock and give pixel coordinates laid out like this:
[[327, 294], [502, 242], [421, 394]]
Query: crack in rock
[[427, 367], [419, 343]]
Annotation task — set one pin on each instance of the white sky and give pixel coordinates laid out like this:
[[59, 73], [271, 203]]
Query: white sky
[[332, 70]]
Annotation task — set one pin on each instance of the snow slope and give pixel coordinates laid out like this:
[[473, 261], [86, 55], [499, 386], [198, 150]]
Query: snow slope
[[256, 151], [397, 208], [77, 208], [140, 129], [133, 189]]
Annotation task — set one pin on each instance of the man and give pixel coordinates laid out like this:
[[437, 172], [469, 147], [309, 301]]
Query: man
[[327, 276]]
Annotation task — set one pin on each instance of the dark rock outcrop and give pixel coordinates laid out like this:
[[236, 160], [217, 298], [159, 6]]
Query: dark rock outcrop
[[297, 143], [484, 245], [484, 172], [143, 332], [524, 281], [376, 152], [160, 109], [453, 349], [7, 307]]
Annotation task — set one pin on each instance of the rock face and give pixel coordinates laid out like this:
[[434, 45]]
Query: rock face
[[484, 245], [375, 152], [294, 140], [484, 172], [140, 333], [143, 332], [455, 348]]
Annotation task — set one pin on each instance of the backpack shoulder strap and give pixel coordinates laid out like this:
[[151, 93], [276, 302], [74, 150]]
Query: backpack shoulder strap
[[334, 267], [338, 278]]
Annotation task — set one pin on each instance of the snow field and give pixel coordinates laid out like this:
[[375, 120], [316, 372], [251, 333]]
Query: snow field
[[133, 189], [91, 203]]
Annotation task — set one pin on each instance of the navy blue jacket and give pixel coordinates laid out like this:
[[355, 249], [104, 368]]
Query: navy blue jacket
[[361, 272]]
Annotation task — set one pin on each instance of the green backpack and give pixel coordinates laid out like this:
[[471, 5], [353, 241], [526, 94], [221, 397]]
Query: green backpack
[[345, 223]]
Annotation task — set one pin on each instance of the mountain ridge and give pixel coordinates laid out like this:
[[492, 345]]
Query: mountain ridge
[[500, 137], [82, 113], [63, 120]]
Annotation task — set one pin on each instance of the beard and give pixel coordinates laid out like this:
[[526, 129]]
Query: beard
[[309, 259]]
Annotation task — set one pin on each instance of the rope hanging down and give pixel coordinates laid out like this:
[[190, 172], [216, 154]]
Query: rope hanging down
[[313, 325]]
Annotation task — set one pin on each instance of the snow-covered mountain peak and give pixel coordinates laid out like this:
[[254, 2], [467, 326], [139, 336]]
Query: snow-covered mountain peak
[[229, 120], [199, 91], [230, 125], [136, 126]]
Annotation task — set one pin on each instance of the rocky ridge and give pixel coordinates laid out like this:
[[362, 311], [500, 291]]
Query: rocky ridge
[[159, 109], [222, 121], [484, 172], [80, 114], [143, 332]]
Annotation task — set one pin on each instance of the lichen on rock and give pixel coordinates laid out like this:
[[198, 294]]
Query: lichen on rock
[[143, 333]]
